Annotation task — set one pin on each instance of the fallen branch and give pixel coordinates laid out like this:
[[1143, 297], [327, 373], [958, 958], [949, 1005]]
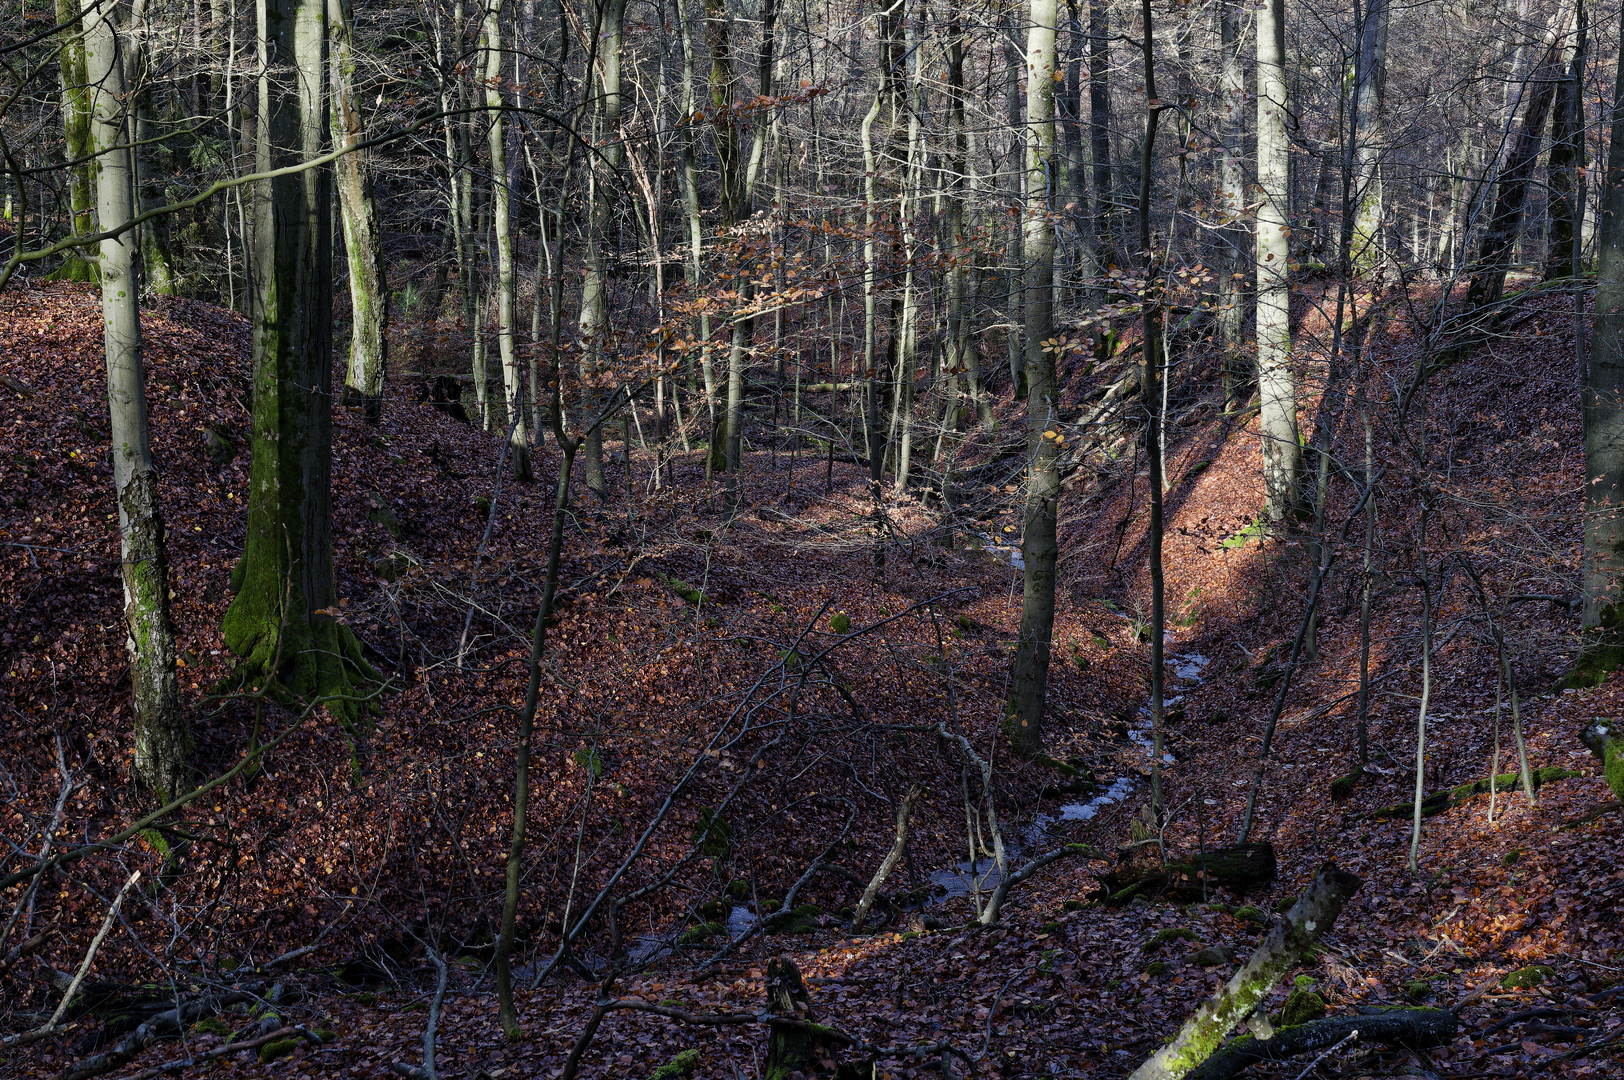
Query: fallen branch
[[220, 1052], [1412, 1028], [165, 1023], [430, 1030], [31, 945], [904, 813], [1312, 915], [990, 914]]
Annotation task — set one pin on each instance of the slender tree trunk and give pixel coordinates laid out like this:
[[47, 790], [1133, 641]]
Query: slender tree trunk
[[162, 742], [1029, 677], [961, 348], [363, 237], [1232, 204], [1099, 128], [501, 198], [1014, 275], [1282, 454]]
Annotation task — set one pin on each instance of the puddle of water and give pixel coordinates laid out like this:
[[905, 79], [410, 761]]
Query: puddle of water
[[958, 881], [740, 919]]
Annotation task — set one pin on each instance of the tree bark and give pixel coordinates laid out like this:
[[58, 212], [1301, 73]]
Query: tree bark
[[1369, 98], [1565, 206], [1282, 453], [363, 237], [1029, 677], [1232, 203], [76, 138], [162, 742], [1499, 242]]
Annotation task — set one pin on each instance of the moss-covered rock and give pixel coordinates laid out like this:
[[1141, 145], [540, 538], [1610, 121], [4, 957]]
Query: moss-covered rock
[[1170, 933], [278, 1048], [1212, 957], [1156, 967], [1526, 978], [1251, 913], [1418, 989], [683, 1064], [1301, 1007], [1342, 788]]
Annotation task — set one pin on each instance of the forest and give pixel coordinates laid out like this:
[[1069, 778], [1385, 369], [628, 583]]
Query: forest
[[762, 539]]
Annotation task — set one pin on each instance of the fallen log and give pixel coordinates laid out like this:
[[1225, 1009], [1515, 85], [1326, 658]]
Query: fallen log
[[1287, 942], [1439, 801], [1239, 869], [1414, 1029], [171, 1022]]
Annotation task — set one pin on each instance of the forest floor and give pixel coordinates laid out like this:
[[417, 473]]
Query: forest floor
[[683, 635]]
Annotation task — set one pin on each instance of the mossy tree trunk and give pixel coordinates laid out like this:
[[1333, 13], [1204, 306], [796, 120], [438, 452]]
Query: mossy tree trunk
[[162, 742], [1029, 677], [278, 623], [1565, 206], [363, 237], [1286, 944], [1605, 738], [76, 121]]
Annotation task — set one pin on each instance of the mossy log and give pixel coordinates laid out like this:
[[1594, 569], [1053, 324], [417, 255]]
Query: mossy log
[[1290, 939], [1414, 1029], [1439, 801], [790, 1048], [1239, 869]]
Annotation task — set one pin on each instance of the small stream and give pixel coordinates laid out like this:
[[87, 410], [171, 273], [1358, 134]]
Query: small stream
[[983, 873], [1187, 670]]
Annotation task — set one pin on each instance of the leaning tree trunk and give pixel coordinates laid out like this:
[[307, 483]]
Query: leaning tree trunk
[[501, 197], [1287, 943], [278, 622], [1029, 677], [961, 347], [363, 238], [162, 742], [1505, 223], [1603, 408], [1282, 454]]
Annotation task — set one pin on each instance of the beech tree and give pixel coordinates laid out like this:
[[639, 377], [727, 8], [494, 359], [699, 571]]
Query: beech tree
[[162, 742], [279, 622]]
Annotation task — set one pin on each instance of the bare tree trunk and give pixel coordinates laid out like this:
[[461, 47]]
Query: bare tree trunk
[[76, 121], [960, 346], [605, 171], [1369, 98], [1565, 206], [278, 622], [1232, 203], [1282, 454], [501, 197], [1029, 677], [162, 742], [363, 238]]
